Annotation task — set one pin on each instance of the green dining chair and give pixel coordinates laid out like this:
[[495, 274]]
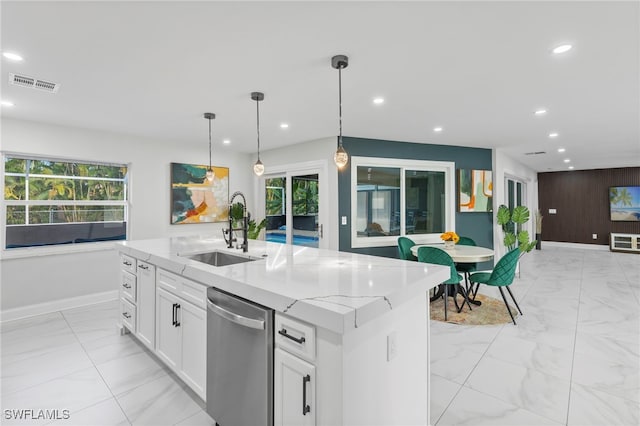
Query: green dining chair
[[501, 276], [452, 285], [404, 247], [466, 268]]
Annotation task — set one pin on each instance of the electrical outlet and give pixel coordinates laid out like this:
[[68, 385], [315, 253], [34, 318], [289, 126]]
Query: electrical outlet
[[344, 220], [594, 236], [392, 346]]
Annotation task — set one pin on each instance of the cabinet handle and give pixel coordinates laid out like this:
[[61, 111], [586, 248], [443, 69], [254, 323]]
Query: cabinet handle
[[126, 315], [284, 333], [126, 285], [173, 318], [305, 407], [125, 263], [177, 322], [143, 267]]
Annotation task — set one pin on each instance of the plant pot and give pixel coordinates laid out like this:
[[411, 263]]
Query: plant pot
[[538, 241], [449, 245]]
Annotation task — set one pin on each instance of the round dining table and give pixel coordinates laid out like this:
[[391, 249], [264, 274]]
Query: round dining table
[[460, 254]]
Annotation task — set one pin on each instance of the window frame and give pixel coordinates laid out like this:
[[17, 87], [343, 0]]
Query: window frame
[[448, 167], [18, 252]]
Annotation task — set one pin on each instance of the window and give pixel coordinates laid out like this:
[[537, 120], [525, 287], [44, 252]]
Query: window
[[395, 197], [50, 202]]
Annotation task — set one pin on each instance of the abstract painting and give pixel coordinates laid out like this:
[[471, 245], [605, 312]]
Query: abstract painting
[[475, 190], [196, 200]]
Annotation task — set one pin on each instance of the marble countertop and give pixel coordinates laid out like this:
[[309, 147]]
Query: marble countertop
[[331, 289]]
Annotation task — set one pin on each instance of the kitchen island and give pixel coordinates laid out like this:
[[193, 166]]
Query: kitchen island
[[365, 319]]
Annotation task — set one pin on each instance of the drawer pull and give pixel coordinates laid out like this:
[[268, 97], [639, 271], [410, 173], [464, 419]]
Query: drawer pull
[[125, 263], [284, 333], [143, 267], [126, 315], [125, 285]]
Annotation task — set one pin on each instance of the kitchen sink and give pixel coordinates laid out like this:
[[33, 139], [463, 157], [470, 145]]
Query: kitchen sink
[[218, 258]]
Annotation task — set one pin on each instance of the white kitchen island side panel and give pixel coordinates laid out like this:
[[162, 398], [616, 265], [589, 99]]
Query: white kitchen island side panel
[[378, 391]]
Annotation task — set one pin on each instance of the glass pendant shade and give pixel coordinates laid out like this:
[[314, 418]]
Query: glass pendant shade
[[258, 168], [210, 175], [341, 158]]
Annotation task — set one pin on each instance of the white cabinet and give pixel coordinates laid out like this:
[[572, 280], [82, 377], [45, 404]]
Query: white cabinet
[[146, 303], [625, 242], [181, 334], [294, 374]]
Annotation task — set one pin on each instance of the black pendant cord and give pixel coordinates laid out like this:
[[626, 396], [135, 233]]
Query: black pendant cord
[[258, 125], [340, 102], [209, 144]]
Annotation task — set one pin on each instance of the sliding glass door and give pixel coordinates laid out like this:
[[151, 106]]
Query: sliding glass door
[[292, 208]]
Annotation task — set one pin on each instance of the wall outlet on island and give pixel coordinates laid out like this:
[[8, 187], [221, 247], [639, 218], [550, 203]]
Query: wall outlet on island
[[594, 236]]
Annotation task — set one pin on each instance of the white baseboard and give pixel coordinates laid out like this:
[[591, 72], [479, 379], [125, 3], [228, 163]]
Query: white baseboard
[[57, 305], [574, 245]]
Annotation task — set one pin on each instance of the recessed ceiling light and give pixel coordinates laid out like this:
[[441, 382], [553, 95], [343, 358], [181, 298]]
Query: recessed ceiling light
[[570, 167], [378, 101], [562, 48], [553, 135], [284, 126], [12, 56], [561, 150], [6, 103], [566, 160], [226, 141], [438, 129], [540, 111]]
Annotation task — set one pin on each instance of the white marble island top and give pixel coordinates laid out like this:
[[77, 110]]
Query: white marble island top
[[335, 290]]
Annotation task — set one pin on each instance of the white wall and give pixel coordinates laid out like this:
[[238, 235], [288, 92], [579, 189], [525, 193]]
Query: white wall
[[316, 150], [35, 278], [506, 166]]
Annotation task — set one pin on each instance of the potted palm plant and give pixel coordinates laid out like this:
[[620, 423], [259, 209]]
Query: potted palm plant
[[514, 234]]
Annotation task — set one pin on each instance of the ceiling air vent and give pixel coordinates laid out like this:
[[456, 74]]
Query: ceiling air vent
[[34, 83], [535, 153]]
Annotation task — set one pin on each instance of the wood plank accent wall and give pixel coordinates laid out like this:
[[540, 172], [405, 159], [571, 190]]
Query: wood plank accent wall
[[581, 199]]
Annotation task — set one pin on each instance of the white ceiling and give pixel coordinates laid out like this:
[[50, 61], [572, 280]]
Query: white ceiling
[[478, 69]]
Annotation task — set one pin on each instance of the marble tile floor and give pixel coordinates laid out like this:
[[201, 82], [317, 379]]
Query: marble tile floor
[[573, 359], [76, 360]]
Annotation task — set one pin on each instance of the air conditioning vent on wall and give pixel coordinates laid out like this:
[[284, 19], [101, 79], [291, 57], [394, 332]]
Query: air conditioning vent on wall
[[34, 83], [535, 153]]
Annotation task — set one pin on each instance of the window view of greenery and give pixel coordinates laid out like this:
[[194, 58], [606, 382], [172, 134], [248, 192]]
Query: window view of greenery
[[44, 192], [305, 195], [275, 196]]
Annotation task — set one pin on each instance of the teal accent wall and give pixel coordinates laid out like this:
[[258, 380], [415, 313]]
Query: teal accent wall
[[478, 226]]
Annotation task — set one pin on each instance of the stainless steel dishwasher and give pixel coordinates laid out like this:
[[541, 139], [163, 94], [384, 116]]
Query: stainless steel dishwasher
[[239, 361]]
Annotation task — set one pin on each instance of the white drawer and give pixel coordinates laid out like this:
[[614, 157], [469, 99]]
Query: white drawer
[[182, 287], [295, 337], [128, 283], [128, 314], [128, 263]]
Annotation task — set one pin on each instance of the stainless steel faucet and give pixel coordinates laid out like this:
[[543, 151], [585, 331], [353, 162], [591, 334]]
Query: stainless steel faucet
[[245, 223]]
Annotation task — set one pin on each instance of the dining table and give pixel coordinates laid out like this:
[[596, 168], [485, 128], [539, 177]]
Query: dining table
[[460, 254]]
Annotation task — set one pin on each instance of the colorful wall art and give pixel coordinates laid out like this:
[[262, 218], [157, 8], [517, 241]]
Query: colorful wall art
[[475, 190], [196, 200]]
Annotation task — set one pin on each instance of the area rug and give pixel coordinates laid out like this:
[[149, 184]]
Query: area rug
[[491, 312]]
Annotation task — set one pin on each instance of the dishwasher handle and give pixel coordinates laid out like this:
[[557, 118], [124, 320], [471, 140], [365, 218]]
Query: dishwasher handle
[[235, 318]]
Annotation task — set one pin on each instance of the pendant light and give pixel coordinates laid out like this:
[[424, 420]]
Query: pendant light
[[258, 168], [209, 116], [341, 158]]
